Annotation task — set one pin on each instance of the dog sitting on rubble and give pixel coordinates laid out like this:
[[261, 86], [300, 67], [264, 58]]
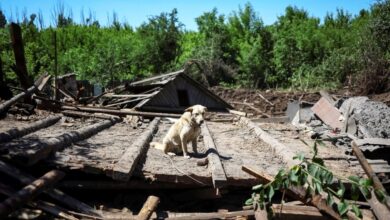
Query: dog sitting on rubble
[[183, 131]]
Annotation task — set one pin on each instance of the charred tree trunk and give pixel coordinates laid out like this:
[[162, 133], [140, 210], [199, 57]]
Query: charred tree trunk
[[5, 92], [21, 67]]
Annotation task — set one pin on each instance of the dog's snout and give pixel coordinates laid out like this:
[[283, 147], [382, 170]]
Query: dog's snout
[[201, 121]]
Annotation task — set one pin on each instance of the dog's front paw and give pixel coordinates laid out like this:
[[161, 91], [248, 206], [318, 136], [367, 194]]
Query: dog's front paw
[[187, 157], [171, 154]]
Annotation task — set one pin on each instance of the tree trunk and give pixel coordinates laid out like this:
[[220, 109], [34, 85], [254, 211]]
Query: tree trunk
[[21, 67]]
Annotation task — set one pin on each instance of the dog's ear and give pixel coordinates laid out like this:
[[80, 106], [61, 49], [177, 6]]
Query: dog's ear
[[205, 109], [189, 109]]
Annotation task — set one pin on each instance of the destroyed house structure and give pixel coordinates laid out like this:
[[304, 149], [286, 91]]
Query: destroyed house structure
[[171, 92]]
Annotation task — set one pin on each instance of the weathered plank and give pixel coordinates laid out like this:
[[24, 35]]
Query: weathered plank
[[55, 194], [124, 168], [296, 212], [29, 192], [20, 132], [5, 105], [148, 208], [215, 165]]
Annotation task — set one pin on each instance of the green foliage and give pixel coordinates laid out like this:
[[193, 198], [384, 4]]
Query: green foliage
[[235, 50], [312, 174]]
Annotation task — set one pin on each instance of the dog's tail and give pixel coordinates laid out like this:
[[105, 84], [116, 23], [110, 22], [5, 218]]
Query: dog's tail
[[157, 145]]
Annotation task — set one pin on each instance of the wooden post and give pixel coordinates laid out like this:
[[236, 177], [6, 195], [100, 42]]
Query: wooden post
[[149, 206], [17, 45], [29, 192], [5, 105], [19, 132], [380, 210], [55, 194], [215, 165], [124, 168], [58, 143]]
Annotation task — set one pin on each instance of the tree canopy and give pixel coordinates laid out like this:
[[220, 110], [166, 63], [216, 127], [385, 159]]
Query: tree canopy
[[298, 50]]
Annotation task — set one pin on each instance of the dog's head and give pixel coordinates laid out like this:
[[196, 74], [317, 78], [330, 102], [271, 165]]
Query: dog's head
[[197, 114]]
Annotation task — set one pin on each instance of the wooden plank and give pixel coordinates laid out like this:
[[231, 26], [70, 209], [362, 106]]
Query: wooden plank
[[124, 168], [373, 141], [212, 215], [122, 112], [88, 115], [148, 208], [29, 192], [329, 114], [20, 132], [5, 105], [54, 144], [17, 45], [55, 194], [215, 165], [381, 211]]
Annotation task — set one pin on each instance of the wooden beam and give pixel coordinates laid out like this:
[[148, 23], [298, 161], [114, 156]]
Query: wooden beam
[[283, 119], [29, 192], [45, 206], [115, 185], [54, 144], [299, 193], [280, 149], [20, 132], [211, 215], [381, 211], [17, 45], [124, 168], [215, 165], [5, 105], [88, 115], [296, 212], [148, 208], [122, 112], [55, 194]]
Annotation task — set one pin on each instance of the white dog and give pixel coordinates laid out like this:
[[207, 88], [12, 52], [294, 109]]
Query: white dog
[[186, 129]]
